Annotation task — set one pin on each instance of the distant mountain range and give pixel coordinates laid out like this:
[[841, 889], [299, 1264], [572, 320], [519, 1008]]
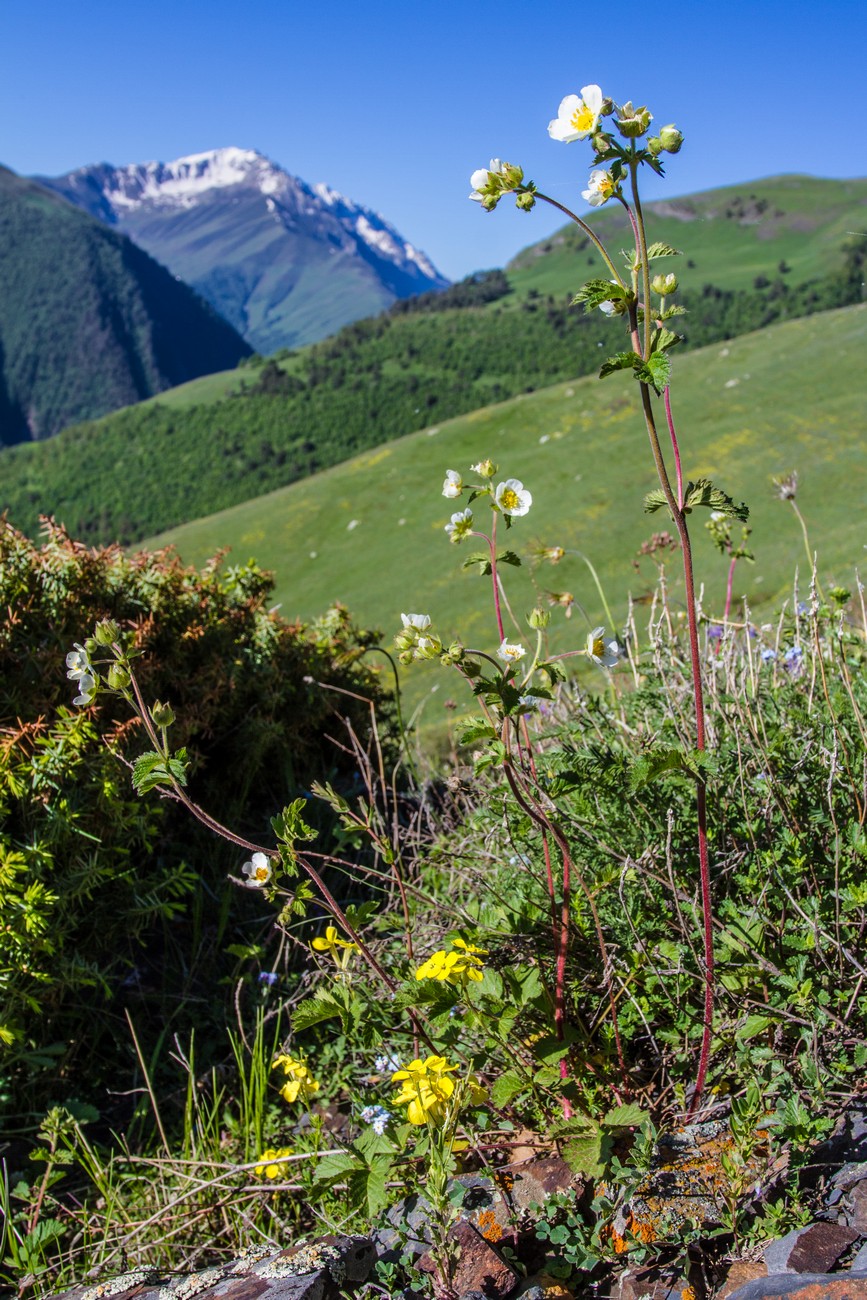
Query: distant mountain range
[[284, 262], [88, 321]]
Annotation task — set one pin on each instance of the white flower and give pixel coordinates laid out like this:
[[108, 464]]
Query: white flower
[[485, 179], [602, 652], [418, 621], [461, 524], [78, 664], [512, 498], [86, 686], [529, 703], [601, 187], [453, 485], [377, 1116], [259, 870], [510, 653], [608, 308], [577, 118]]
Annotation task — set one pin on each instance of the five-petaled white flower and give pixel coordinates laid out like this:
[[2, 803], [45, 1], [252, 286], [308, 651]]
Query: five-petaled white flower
[[453, 485], [259, 870], [461, 524], [80, 671], [510, 652], [577, 117], [485, 177], [512, 497], [419, 621], [600, 187], [602, 652]]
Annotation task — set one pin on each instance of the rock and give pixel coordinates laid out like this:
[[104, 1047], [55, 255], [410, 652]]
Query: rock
[[814, 1249], [846, 1144], [533, 1181], [859, 1263], [847, 1196], [657, 1282], [478, 1266], [807, 1286], [740, 1273]]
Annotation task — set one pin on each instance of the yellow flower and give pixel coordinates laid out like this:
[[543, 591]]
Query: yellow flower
[[268, 1168], [340, 949], [425, 1089], [299, 1080], [455, 967]]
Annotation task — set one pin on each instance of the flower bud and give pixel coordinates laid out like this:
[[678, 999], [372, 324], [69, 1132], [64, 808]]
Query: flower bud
[[485, 469], [490, 201], [633, 122], [512, 175], [538, 618], [654, 146], [664, 284], [456, 652], [405, 657], [602, 141], [607, 107], [118, 678], [671, 139], [106, 632], [162, 714], [525, 201]]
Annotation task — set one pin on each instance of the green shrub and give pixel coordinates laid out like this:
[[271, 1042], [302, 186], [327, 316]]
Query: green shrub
[[112, 905]]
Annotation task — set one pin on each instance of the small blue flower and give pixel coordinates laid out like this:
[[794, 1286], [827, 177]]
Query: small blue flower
[[268, 977], [387, 1064], [715, 632], [803, 607], [768, 654], [793, 656]]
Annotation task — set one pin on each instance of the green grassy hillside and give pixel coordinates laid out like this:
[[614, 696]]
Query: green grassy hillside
[[370, 532], [215, 445]]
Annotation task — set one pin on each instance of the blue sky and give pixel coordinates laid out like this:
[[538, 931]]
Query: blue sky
[[395, 104]]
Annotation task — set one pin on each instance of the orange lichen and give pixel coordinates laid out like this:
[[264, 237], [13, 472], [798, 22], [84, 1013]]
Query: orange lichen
[[488, 1226]]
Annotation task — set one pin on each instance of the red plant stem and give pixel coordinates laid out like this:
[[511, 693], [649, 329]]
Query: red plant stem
[[496, 585], [666, 396], [701, 790]]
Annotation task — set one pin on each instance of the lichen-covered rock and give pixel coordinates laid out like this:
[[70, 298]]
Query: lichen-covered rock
[[814, 1249], [805, 1286]]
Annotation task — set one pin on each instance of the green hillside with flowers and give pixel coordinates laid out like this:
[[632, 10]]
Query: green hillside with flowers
[[370, 532]]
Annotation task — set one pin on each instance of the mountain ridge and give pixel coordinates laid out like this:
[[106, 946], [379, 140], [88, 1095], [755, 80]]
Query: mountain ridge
[[286, 263]]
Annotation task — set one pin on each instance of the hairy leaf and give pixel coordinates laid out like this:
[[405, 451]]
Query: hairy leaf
[[703, 493]]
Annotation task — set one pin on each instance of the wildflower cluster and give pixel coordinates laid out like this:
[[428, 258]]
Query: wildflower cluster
[[426, 1089], [509, 498], [460, 966], [299, 1080], [270, 1168]]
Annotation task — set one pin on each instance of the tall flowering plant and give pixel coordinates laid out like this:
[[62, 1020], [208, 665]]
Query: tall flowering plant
[[621, 144]]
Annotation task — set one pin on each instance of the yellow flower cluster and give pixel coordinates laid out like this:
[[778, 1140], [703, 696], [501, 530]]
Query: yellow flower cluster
[[456, 967], [268, 1168], [426, 1089], [299, 1080]]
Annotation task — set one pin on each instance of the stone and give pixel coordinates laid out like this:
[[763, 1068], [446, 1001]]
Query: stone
[[478, 1266], [847, 1196], [739, 1274], [846, 1144], [806, 1286], [814, 1249], [657, 1282], [859, 1263]]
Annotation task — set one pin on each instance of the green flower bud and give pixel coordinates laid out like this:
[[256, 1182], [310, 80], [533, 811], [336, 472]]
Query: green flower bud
[[602, 141], [106, 632], [512, 175], [118, 678], [490, 201], [456, 652], [654, 146], [525, 201], [633, 122], [539, 618], [664, 284], [428, 647], [405, 657], [485, 469], [671, 139], [162, 714]]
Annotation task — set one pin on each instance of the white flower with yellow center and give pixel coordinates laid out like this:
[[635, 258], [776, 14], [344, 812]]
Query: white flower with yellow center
[[602, 652], [512, 498], [510, 652], [577, 117], [453, 485], [600, 188], [258, 871], [461, 524], [419, 621]]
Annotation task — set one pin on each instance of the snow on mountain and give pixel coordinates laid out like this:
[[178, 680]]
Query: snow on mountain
[[285, 262]]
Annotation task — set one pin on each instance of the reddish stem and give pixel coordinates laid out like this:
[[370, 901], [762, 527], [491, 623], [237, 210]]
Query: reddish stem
[[497, 610], [729, 584], [666, 396]]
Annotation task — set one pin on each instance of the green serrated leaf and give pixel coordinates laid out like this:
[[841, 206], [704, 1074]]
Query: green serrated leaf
[[628, 1116], [152, 769], [703, 493], [753, 1026], [469, 730], [584, 1155], [662, 250], [656, 371], [509, 557], [656, 764], [506, 1087], [312, 1011], [663, 340], [655, 500], [595, 292], [620, 361], [493, 755], [480, 558]]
